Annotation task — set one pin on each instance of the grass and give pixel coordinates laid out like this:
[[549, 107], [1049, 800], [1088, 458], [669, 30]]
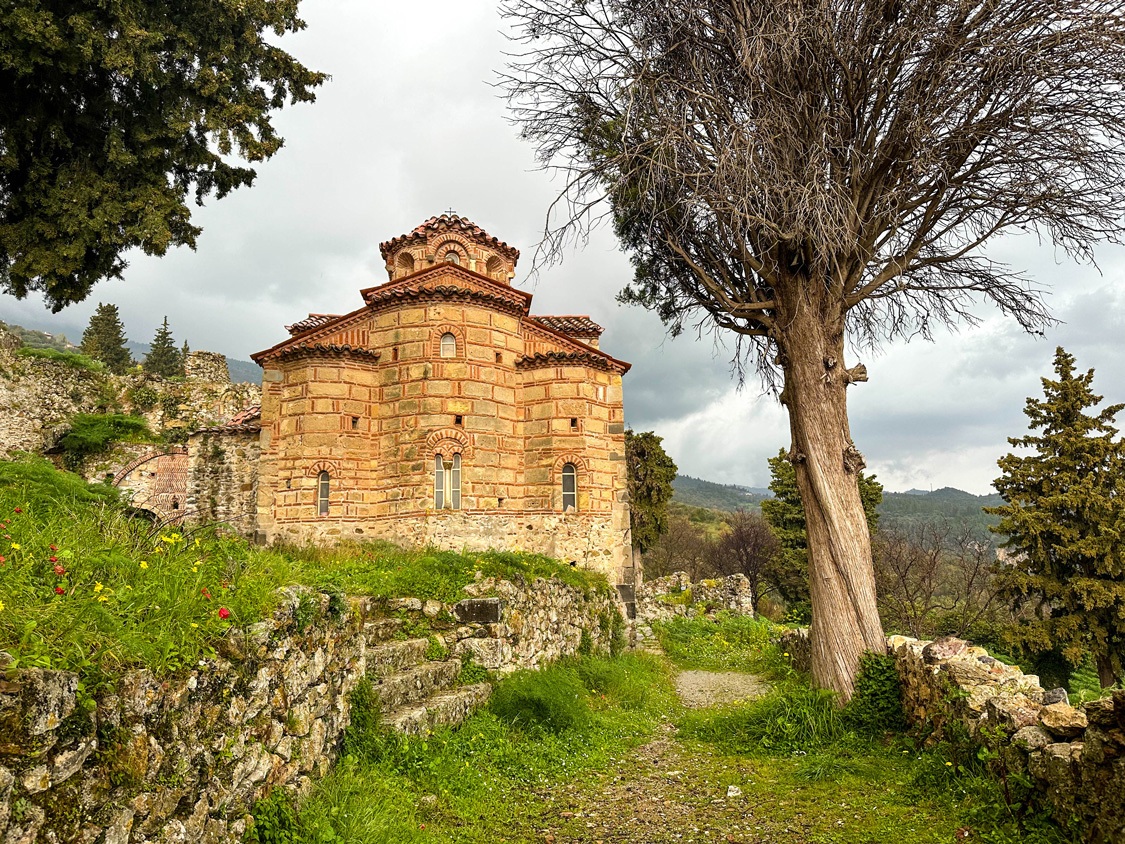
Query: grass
[[475, 784], [85, 586], [71, 359]]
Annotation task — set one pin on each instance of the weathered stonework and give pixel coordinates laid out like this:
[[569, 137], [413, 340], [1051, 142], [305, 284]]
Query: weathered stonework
[[210, 367], [184, 759], [371, 399], [1075, 756], [675, 596], [222, 483]]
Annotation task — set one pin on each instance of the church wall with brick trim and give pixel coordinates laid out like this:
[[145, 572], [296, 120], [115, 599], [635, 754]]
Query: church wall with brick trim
[[368, 398]]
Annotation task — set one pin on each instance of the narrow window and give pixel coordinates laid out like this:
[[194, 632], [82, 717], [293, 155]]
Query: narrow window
[[175, 503], [573, 424], [322, 482], [394, 353], [447, 483], [569, 487], [448, 345], [355, 423], [499, 358], [451, 257], [458, 420]]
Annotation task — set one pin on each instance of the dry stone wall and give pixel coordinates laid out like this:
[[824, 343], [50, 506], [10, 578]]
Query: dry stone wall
[[676, 596], [1074, 755], [183, 759]]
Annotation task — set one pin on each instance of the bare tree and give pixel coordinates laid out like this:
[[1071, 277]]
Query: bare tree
[[748, 548], [801, 171], [934, 580], [682, 547]]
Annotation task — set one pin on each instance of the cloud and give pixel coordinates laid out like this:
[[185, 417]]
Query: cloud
[[411, 125]]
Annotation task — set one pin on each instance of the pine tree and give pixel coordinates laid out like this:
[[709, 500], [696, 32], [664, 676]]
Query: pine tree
[[1064, 517], [789, 569], [104, 339], [163, 357]]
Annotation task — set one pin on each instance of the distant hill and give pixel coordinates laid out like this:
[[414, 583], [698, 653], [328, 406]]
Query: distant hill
[[695, 492], [899, 510], [241, 371]]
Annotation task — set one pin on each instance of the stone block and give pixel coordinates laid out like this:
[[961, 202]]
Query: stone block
[[1063, 720], [478, 610]]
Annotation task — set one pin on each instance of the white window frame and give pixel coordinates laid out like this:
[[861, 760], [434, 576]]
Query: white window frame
[[447, 346], [323, 491], [569, 497], [447, 482]]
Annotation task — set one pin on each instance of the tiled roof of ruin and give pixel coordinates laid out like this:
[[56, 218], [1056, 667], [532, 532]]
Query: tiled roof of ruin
[[591, 358], [311, 321], [247, 420], [574, 325], [450, 222]]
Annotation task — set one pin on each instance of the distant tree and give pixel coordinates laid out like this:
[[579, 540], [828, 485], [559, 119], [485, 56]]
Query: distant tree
[[935, 578], [1064, 519], [816, 177], [104, 339], [163, 357], [112, 113], [683, 546], [748, 548], [785, 514], [651, 472]]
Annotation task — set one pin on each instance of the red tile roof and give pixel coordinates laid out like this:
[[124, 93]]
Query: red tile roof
[[571, 325], [310, 322], [450, 222]]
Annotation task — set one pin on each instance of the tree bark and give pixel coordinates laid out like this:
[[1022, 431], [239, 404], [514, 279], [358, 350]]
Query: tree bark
[[1106, 675], [845, 618]]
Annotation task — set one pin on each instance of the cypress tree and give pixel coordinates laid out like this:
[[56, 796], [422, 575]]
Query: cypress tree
[[163, 357], [104, 339], [651, 472], [1064, 516]]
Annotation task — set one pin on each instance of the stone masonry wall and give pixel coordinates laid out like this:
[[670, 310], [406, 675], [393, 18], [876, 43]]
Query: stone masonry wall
[[222, 484], [1074, 756], [675, 596], [184, 759]]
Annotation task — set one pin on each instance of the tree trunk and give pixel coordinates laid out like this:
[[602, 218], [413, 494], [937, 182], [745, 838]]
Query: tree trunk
[[845, 618], [1106, 675]]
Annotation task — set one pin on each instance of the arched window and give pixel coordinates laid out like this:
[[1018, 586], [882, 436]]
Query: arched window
[[447, 482], [448, 345], [405, 263], [451, 257], [569, 487], [322, 481]]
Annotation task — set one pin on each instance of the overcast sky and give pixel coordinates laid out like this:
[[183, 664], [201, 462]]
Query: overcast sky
[[410, 126]]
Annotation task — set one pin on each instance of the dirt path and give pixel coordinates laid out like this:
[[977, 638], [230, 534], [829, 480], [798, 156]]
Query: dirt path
[[663, 793]]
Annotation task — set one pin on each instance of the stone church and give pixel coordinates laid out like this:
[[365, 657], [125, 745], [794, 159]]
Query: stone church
[[441, 412]]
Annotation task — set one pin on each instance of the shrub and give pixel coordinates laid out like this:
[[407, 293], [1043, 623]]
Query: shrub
[[552, 700], [93, 433], [876, 706], [71, 359], [275, 821]]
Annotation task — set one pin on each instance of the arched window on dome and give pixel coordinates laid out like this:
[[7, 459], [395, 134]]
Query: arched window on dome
[[569, 487], [323, 481], [447, 482], [451, 257], [448, 345]]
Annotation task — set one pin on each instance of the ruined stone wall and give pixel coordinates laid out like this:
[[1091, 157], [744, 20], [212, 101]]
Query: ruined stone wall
[[207, 366], [1074, 756], [183, 759], [222, 479], [676, 596]]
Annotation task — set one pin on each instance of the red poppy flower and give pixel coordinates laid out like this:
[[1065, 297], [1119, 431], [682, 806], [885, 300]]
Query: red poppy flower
[[60, 571], [224, 613], [205, 593], [54, 559], [59, 590], [18, 510], [53, 548]]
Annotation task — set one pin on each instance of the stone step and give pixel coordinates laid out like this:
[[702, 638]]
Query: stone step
[[416, 683], [394, 657], [381, 629], [443, 709]]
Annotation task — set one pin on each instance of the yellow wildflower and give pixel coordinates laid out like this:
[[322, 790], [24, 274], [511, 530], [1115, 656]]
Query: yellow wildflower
[[98, 586], [103, 598], [1, 606], [193, 624], [195, 568], [15, 546], [144, 564]]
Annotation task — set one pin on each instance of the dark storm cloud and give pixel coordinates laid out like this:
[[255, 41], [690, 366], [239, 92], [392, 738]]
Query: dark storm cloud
[[410, 126]]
